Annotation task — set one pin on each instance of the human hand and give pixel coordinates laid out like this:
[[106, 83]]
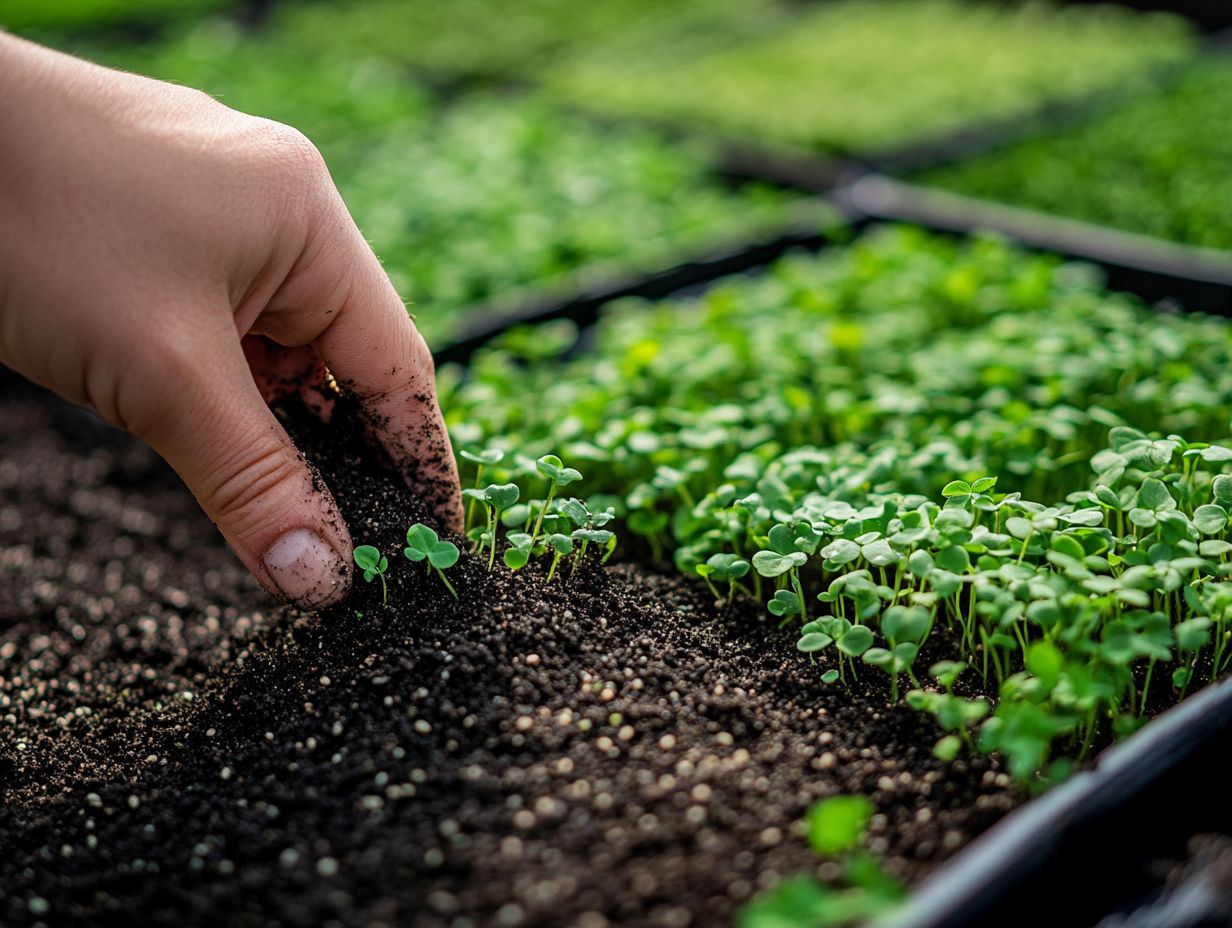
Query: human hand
[[165, 260]]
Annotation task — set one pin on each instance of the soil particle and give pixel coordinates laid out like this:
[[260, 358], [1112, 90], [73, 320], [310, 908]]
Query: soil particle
[[601, 750]]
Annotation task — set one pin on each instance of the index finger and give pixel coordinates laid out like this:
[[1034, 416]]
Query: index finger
[[374, 351]]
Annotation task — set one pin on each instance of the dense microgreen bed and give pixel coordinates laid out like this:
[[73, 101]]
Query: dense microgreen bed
[[1159, 165], [474, 202], [855, 75], [484, 38], [37, 15], [947, 442]]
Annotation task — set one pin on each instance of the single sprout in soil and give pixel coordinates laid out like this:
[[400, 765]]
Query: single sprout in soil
[[481, 459], [560, 545], [551, 467], [725, 568], [835, 829], [373, 564], [423, 544], [496, 499]]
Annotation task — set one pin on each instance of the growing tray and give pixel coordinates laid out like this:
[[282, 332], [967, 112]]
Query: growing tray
[[1156, 270], [1207, 15], [581, 298], [1088, 844], [821, 169]]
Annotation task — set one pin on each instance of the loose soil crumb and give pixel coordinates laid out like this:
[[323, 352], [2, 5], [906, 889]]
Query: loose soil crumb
[[607, 750]]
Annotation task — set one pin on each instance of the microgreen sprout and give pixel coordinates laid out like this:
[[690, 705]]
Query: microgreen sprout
[[423, 544], [517, 555], [835, 828], [551, 467], [373, 564], [725, 568], [560, 545], [481, 459], [497, 499]]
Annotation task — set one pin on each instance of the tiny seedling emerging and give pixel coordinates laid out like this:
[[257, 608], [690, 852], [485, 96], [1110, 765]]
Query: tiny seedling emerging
[[373, 564], [551, 467], [835, 829], [423, 544]]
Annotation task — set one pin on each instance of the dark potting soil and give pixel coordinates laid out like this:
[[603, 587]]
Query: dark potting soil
[[606, 749]]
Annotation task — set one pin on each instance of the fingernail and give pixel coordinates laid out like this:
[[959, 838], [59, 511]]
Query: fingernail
[[306, 569]]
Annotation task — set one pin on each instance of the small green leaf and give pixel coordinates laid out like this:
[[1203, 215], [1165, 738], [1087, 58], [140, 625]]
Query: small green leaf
[[856, 640], [1209, 519], [772, 564], [501, 495], [836, 825], [487, 456], [368, 558], [814, 641], [1153, 495], [947, 748], [956, 488], [1221, 488]]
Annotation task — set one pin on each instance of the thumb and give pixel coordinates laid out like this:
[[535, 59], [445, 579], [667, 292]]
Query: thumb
[[239, 463]]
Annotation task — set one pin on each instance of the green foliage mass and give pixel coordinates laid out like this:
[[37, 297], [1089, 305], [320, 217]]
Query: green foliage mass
[[1159, 165], [857, 75], [831, 423], [487, 38], [37, 15]]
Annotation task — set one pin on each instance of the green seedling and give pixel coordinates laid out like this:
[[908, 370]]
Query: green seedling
[[497, 499], [600, 537], [723, 568], [953, 713], [835, 829], [481, 459], [560, 546], [423, 544], [517, 555], [551, 467], [373, 564]]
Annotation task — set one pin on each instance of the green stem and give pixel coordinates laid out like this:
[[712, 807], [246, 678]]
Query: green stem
[[542, 512], [470, 508], [795, 582], [492, 540], [449, 586], [577, 558], [1146, 686]]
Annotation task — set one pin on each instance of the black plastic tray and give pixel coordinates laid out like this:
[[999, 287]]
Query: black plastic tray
[[1081, 850], [582, 306], [1207, 15], [1156, 270]]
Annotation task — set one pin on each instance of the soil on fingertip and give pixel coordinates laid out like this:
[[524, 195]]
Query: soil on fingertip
[[606, 749]]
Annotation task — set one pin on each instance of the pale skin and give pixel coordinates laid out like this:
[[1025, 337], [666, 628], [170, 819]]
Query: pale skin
[[167, 261]]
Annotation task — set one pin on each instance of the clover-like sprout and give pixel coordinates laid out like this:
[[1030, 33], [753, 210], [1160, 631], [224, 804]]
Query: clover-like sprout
[[551, 467], [373, 564], [423, 544], [517, 555], [729, 568], [498, 497]]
